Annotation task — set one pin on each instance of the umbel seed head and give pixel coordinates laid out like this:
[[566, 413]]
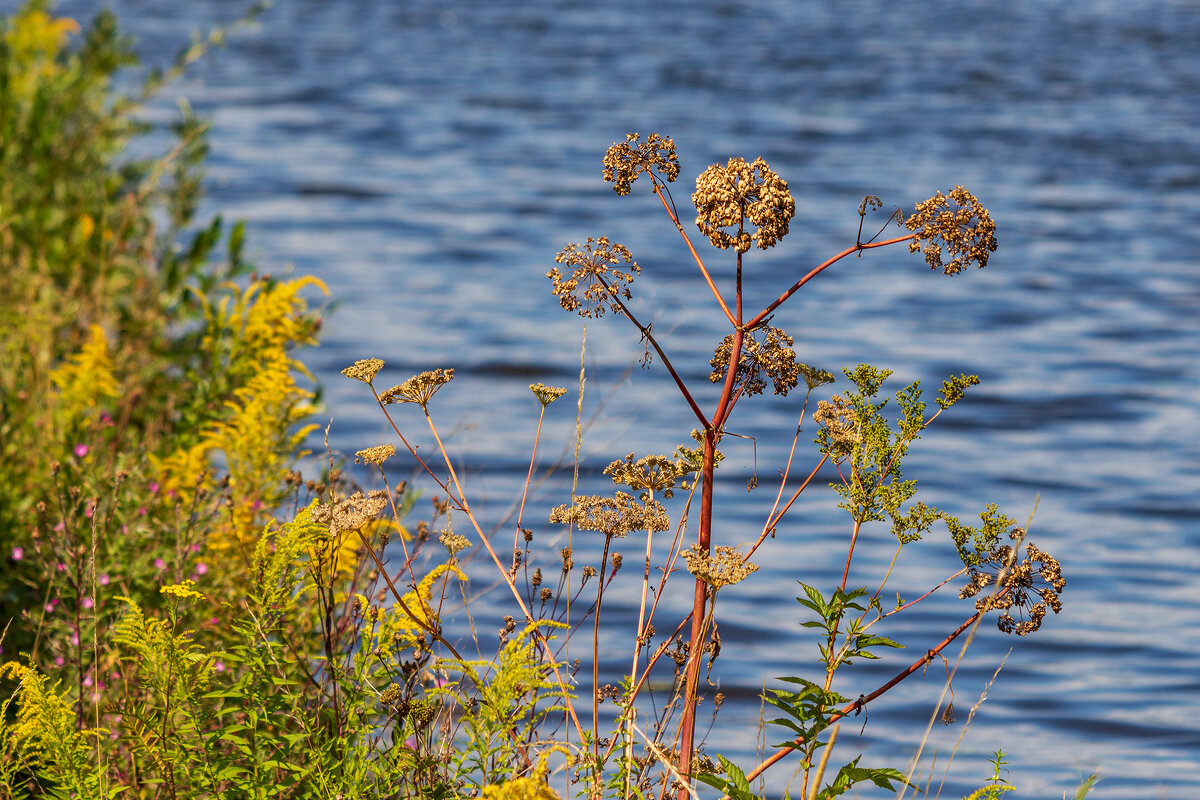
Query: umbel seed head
[[957, 225], [626, 160], [726, 197]]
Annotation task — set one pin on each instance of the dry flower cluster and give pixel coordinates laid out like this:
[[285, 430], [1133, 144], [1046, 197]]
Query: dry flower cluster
[[625, 161], [593, 268], [727, 196], [724, 567], [772, 359], [965, 230], [418, 389]]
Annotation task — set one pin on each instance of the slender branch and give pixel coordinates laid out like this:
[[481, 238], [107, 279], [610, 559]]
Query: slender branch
[[703, 270], [649, 337], [537, 437], [858, 704], [766, 312], [462, 504], [773, 521]]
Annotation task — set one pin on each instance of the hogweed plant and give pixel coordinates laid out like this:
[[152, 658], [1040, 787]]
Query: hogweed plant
[[505, 721]]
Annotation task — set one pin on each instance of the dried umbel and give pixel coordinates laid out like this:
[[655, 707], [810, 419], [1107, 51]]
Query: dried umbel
[[546, 394], [418, 389], [625, 161], [595, 281], [454, 542], [773, 358], [353, 513], [649, 474], [365, 369], [728, 196], [375, 455], [723, 567], [957, 226], [840, 422], [612, 516], [1018, 587]]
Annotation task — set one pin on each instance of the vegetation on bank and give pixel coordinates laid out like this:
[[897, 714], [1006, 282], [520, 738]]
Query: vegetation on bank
[[183, 614]]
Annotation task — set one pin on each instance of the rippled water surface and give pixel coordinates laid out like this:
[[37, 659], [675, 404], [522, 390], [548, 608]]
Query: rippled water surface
[[428, 159]]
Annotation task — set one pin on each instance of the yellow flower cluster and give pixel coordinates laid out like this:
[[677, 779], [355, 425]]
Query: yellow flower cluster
[[34, 40], [256, 428], [86, 379]]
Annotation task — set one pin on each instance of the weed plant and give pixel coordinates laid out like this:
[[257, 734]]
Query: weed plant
[[185, 615]]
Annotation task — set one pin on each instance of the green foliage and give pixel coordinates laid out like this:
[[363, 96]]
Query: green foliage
[[502, 701], [851, 774], [856, 642], [997, 785]]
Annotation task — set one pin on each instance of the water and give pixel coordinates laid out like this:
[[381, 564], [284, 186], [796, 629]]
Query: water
[[428, 159]]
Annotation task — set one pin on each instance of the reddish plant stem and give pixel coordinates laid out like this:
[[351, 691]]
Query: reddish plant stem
[[703, 270], [858, 704], [817, 270], [773, 521], [662, 356], [692, 676]]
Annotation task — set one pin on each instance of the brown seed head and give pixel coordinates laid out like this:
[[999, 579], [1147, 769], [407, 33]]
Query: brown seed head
[[594, 282], [626, 160], [727, 196], [958, 225]]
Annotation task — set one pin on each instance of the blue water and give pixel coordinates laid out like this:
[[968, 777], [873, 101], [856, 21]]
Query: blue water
[[427, 160]]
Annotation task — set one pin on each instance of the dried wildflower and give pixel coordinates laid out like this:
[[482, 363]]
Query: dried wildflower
[[1017, 586], [773, 358], [418, 389], [375, 455], [593, 269], [723, 567], [965, 230], [727, 196], [814, 377], [651, 474], [364, 369], [612, 516], [546, 394], [454, 542], [353, 513], [840, 422], [626, 160], [545, 594]]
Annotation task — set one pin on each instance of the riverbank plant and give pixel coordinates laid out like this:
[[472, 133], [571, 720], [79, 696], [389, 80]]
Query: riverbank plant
[[186, 615]]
